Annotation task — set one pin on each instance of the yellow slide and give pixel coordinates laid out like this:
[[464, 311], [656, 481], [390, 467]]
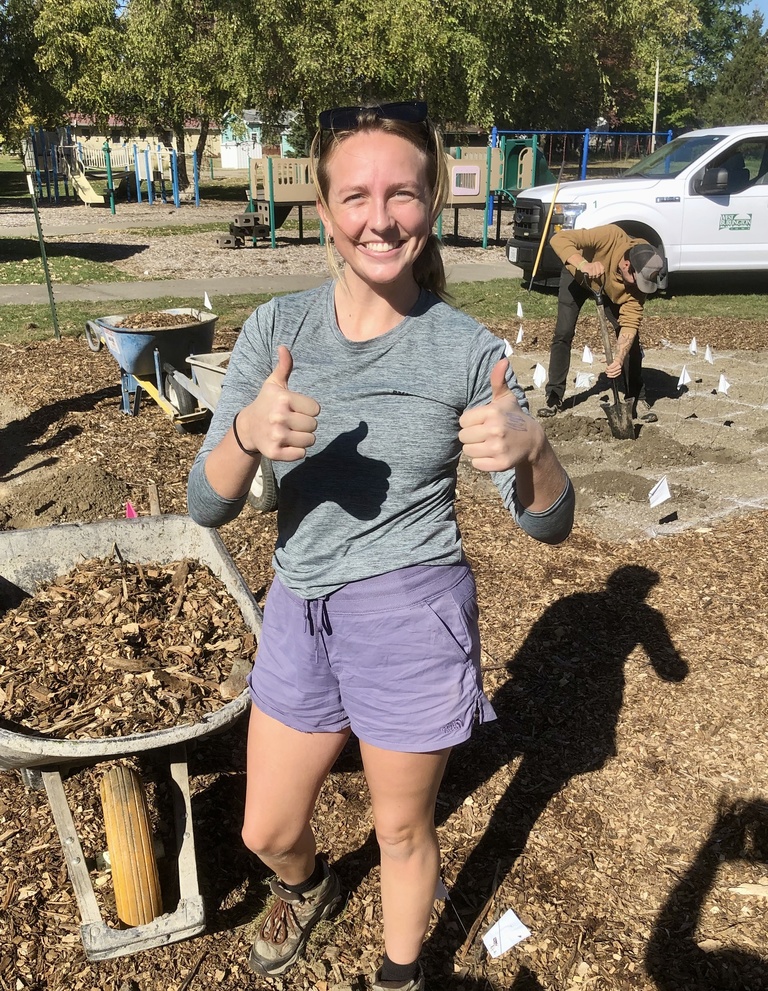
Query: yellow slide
[[85, 190]]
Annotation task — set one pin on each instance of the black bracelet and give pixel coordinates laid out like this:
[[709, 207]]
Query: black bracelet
[[251, 454]]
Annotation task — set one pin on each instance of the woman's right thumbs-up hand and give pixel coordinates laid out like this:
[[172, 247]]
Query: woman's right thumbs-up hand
[[279, 424]]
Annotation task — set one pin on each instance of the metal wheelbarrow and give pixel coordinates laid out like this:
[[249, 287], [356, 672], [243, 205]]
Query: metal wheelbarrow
[[150, 360], [29, 558]]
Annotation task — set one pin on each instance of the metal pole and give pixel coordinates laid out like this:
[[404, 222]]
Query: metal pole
[[44, 258], [137, 172], [655, 106], [175, 176], [110, 183], [585, 154], [148, 174]]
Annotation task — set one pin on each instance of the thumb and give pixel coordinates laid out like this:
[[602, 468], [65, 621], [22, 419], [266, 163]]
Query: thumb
[[282, 373], [499, 387]]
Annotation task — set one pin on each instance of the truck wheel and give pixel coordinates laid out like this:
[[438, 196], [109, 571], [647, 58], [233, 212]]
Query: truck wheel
[[263, 494], [129, 842]]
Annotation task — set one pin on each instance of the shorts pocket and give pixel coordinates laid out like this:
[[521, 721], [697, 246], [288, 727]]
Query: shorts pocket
[[455, 613]]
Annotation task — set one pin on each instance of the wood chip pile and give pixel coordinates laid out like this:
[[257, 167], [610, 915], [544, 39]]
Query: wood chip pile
[[114, 648], [155, 320]]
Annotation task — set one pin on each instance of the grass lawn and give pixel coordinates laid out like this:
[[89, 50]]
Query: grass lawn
[[489, 302]]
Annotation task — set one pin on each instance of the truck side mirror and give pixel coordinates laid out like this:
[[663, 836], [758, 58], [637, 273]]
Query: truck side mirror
[[712, 182]]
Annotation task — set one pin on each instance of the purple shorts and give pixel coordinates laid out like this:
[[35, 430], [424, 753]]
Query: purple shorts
[[395, 657]]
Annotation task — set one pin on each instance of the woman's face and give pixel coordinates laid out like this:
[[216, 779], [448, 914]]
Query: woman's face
[[378, 207]]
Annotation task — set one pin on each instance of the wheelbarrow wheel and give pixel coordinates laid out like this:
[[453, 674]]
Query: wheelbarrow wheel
[[181, 400], [129, 842], [263, 492], [92, 338]]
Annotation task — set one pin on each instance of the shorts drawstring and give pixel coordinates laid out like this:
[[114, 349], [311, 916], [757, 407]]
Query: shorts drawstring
[[311, 621]]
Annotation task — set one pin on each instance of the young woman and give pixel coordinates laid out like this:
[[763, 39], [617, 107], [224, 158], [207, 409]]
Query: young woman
[[364, 393]]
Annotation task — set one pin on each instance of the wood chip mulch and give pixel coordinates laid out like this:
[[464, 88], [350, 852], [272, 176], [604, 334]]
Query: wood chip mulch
[[618, 805], [114, 648]]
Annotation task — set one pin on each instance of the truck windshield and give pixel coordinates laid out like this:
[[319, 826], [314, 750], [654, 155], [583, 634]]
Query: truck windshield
[[670, 160]]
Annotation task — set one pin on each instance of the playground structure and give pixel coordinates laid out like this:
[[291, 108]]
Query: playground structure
[[99, 174], [478, 179], [487, 177]]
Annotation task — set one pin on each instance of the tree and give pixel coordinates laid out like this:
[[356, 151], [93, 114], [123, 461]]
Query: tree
[[157, 64], [740, 93], [26, 94]]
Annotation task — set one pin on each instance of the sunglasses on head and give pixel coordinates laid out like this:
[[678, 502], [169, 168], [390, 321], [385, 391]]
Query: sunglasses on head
[[346, 118]]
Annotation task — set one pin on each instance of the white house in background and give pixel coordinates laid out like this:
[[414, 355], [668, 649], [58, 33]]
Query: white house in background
[[241, 139]]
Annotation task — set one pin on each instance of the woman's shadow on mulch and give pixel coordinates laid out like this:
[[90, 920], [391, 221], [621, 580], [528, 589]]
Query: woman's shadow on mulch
[[558, 711]]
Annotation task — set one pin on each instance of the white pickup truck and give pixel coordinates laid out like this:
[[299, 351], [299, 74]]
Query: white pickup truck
[[702, 199]]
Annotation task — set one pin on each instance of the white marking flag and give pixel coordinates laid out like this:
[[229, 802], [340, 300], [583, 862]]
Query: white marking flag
[[684, 379], [505, 934], [723, 385], [207, 302], [693, 346], [583, 380], [539, 375], [519, 311], [659, 493], [507, 348], [708, 356], [587, 356], [519, 339]]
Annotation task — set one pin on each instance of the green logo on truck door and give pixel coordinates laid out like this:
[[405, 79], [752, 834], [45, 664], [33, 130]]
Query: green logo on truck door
[[735, 221]]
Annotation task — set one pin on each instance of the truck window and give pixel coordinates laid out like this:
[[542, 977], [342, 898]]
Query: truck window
[[669, 160], [746, 163]]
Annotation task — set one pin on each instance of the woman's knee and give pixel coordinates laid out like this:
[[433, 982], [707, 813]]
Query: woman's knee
[[401, 840], [267, 839]]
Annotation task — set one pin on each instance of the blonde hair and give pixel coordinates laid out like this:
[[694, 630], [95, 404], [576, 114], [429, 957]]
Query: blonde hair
[[428, 269]]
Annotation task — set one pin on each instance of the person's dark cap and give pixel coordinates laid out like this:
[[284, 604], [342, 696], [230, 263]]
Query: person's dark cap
[[648, 266]]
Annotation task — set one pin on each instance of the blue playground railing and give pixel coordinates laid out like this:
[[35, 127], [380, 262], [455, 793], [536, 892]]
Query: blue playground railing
[[586, 134]]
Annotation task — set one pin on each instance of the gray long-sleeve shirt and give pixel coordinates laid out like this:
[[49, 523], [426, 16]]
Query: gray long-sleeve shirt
[[376, 491]]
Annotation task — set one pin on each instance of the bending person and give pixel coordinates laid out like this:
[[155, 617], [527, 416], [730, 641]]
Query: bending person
[[631, 269], [364, 393]]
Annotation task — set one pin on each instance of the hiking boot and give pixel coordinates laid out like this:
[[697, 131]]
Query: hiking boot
[[644, 412], [554, 405], [286, 929], [415, 984]]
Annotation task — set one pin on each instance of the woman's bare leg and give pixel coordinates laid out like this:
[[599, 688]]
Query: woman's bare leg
[[286, 770], [403, 793]]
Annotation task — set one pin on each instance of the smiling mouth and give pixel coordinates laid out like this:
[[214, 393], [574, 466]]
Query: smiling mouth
[[380, 247]]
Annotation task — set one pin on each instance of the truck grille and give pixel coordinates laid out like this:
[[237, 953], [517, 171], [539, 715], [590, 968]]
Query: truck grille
[[528, 219]]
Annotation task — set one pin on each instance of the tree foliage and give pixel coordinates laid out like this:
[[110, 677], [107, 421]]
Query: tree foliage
[[514, 63], [740, 92], [26, 94]]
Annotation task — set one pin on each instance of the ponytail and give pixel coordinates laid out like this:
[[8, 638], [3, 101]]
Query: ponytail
[[428, 269]]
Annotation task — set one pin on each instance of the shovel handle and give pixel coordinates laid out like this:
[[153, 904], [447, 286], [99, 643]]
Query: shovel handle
[[607, 337]]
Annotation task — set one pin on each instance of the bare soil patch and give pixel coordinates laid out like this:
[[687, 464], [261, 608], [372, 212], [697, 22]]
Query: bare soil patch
[[620, 797]]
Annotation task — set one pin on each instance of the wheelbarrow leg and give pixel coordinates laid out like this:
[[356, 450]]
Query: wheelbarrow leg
[[128, 385], [73, 851]]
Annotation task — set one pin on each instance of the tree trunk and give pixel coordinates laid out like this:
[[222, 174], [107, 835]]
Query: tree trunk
[[205, 127]]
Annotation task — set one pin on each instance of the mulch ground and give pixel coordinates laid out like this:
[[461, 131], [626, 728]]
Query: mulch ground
[[615, 805]]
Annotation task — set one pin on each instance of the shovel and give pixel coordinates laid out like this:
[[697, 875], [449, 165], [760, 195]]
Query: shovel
[[619, 413]]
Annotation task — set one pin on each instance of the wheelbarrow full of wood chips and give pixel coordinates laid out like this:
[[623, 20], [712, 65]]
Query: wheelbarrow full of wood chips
[[31, 559]]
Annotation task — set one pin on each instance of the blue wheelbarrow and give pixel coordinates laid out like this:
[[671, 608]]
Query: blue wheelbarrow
[[151, 359]]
